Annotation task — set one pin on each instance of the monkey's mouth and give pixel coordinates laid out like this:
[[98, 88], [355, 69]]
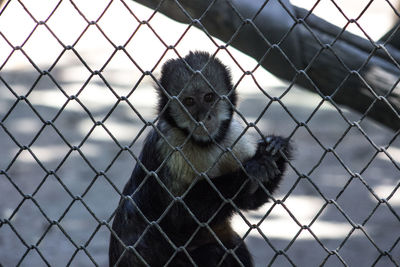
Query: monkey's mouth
[[205, 130]]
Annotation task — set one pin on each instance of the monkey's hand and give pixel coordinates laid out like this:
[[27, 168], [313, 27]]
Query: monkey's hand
[[268, 163], [275, 146]]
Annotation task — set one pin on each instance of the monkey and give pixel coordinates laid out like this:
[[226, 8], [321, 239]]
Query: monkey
[[197, 167]]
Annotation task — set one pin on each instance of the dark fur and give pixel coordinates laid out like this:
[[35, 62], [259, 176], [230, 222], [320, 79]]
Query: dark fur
[[152, 225]]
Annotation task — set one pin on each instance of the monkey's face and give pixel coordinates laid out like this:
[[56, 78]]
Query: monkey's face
[[201, 111], [202, 96]]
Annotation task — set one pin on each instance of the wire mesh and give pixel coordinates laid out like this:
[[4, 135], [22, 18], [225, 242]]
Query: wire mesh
[[74, 113]]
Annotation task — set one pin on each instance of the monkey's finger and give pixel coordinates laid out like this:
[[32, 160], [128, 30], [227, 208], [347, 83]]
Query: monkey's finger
[[268, 139], [276, 149], [271, 145], [275, 168], [253, 186]]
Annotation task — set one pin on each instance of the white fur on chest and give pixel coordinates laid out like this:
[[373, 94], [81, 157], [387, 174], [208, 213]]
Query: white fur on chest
[[212, 160]]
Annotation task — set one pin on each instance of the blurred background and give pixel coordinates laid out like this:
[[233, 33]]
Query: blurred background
[[61, 171]]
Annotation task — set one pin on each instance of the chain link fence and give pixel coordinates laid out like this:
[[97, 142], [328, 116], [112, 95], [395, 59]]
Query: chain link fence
[[76, 99]]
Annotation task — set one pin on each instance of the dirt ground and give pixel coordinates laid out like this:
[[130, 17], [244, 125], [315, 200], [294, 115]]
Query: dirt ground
[[61, 170]]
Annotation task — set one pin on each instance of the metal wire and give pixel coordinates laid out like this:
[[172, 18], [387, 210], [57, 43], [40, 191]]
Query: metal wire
[[6, 173]]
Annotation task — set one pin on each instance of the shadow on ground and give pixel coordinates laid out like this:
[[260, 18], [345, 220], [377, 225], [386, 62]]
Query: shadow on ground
[[64, 160]]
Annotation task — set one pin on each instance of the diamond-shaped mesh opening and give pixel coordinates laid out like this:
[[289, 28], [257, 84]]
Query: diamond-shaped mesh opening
[[78, 100], [95, 247], [137, 50], [18, 83], [99, 137], [109, 23], [56, 254], [306, 242], [25, 211], [47, 141], [34, 47], [73, 226], [16, 36], [330, 217], [312, 147], [69, 72], [122, 82], [132, 121], [387, 242], [52, 198], [22, 115], [366, 202], [45, 99], [105, 99], [358, 240], [92, 32], [66, 23], [25, 172], [68, 176], [357, 139], [14, 243], [91, 200]]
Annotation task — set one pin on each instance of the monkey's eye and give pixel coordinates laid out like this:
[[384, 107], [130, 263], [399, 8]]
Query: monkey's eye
[[188, 101], [209, 97]]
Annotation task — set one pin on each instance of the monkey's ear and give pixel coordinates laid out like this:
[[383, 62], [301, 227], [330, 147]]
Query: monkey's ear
[[166, 72]]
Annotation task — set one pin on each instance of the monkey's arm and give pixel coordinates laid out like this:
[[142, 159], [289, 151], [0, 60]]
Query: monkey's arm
[[266, 166]]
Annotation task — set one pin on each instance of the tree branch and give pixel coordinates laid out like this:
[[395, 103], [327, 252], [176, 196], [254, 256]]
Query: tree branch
[[302, 48]]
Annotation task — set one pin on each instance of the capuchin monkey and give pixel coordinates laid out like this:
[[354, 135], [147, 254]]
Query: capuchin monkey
[[198, 166]]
